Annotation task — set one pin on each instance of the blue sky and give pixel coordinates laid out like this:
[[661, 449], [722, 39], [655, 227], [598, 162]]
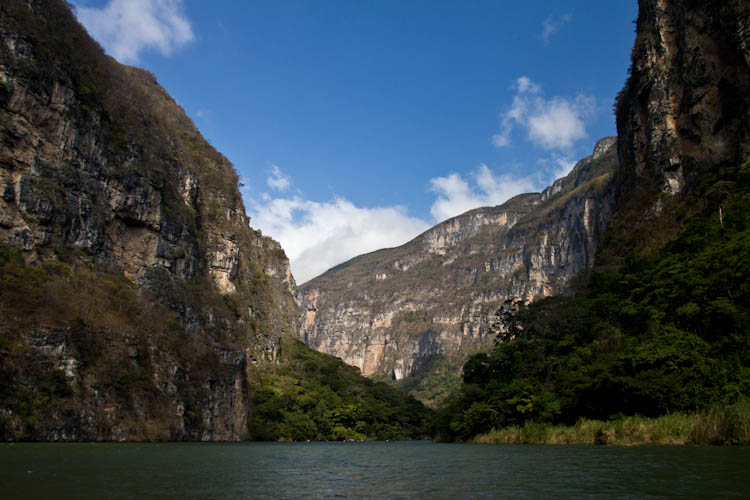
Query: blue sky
[[357, 124]]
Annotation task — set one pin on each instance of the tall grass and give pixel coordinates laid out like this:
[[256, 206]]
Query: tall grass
[[728, 425]]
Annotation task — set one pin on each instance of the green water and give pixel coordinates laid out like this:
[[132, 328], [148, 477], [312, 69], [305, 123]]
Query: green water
[[369, 470]]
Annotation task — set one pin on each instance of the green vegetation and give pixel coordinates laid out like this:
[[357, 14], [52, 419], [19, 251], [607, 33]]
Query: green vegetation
[[655, 349], [84, 351], [667, 331], [121, 338], [717, 426], [314, 396], [104, 322], [433, 382]]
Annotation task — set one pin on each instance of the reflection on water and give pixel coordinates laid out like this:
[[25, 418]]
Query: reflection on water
[[369, 470]]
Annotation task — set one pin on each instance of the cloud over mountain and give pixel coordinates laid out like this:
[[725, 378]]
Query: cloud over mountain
[[554, 123], [125, 28]]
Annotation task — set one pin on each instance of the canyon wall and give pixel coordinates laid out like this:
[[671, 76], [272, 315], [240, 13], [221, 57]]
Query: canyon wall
[[684, 108], [393, 312], [106, 188]]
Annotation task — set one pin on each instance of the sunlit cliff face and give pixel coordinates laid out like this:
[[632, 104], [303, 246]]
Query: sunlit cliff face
[[392, 312]]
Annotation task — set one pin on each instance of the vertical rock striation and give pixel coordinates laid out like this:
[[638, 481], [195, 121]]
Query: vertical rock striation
[[101, 170], [683, 118], [684, 109]]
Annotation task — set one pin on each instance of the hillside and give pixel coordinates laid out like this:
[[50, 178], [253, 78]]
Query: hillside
[[427, 305]]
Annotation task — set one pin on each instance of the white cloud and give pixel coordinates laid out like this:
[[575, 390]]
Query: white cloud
[[456, 196], [317, 236], [558, 123], [502, 139], [554, 124], [277, 180], [552, 25], [125, 28], [526, 85]]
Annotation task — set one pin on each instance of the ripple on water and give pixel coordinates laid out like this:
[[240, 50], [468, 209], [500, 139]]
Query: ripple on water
[[369, 470]]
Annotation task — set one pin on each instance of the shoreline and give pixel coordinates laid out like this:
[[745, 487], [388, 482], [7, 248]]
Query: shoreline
[[728, 426]]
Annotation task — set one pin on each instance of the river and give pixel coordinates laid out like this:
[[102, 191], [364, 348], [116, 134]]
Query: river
[[368, 470]]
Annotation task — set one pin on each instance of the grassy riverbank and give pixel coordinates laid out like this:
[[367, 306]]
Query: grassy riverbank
[[717, 426]]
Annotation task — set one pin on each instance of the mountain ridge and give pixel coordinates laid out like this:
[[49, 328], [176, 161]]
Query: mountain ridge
[[369, 308]]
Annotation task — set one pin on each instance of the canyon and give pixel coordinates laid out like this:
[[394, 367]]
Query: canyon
[[397, 311]]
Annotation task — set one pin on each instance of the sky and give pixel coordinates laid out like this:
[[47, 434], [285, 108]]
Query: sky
[[356, 125]]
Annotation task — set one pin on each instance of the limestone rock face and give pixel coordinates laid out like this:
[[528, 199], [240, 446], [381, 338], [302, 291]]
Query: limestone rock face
[[100, 167], [393, 311], [684, 109]]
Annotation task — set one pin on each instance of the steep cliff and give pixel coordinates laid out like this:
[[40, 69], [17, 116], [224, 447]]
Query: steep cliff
[[136, 299], [684, 108], [395, 311], [682, 117]]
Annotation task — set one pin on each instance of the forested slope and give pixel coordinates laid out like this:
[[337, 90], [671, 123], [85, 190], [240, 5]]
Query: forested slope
[[664, 333]]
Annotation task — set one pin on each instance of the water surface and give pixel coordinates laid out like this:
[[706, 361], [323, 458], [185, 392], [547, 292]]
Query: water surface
[[369, 470]]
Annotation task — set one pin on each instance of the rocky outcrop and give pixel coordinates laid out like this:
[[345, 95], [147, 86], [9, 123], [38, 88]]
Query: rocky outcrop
[[684, 109], [100, 169], [393, 311]]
